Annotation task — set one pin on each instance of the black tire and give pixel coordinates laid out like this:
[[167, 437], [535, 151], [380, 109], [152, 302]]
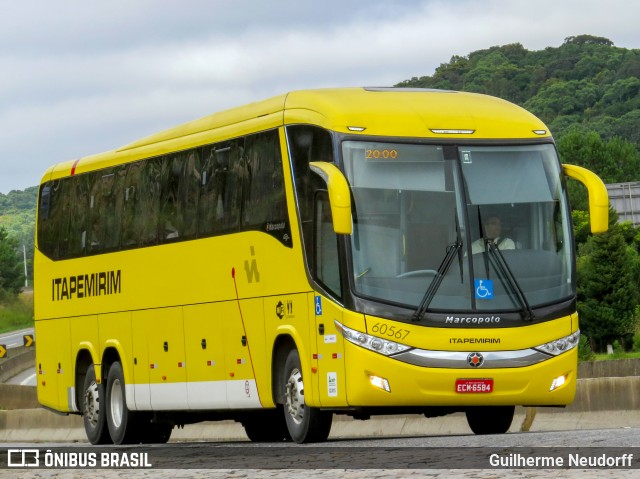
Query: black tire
[[120, 421], [267, 426], [305, 424], [93, 407], [490, 419]]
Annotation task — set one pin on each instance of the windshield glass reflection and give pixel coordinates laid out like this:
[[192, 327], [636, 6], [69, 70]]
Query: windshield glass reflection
[[411, 205]]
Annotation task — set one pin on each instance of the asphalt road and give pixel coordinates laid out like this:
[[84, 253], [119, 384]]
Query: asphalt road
[[442, 456]]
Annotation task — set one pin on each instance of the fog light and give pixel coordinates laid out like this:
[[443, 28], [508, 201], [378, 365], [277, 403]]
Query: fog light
[[557, 382], [380, 383]]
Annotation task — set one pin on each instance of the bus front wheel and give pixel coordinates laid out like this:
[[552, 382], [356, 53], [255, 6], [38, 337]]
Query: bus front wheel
[[490, 419], [120, 420], [93, 409], [305, 424]]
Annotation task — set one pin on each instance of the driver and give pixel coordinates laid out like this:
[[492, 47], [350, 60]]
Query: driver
[[492, 231]]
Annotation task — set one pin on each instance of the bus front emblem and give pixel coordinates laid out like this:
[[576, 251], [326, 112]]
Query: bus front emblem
[[475, 360]]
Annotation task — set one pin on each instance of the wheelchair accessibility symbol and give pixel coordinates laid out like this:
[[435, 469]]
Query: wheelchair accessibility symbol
[[484, 288]]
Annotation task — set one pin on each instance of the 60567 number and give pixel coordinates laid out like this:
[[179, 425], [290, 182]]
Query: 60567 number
[[391, 331]]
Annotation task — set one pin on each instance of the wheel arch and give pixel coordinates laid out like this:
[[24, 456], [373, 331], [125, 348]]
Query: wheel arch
[[84, 359], [112, 353], [282, 345]]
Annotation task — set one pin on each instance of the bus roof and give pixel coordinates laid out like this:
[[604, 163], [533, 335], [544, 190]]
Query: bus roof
[[388, 112]]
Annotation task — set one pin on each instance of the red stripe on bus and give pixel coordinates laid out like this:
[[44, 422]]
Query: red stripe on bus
[[73, 168]]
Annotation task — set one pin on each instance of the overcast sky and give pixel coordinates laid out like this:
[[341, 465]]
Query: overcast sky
[[80, 77]]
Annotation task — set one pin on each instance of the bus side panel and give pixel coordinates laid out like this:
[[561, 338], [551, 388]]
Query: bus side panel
[[84, 337], [244, 352], [53, 363], [164, 330], [115, 332], [205, 330]]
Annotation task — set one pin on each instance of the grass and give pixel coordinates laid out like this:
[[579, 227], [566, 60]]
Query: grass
[[605, 356], [16, 313]]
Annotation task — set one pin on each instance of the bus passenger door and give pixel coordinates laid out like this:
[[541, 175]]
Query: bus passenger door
[[329, 359], [326, 270]]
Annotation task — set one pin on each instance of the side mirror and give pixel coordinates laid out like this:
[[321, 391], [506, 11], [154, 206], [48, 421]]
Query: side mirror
[[598, 197], [339, 195]]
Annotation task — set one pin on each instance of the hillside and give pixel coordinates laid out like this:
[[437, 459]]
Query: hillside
[[587, 83]]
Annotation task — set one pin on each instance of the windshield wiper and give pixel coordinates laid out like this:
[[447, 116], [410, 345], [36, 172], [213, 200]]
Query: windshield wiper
[[452, 250], [503, 268]]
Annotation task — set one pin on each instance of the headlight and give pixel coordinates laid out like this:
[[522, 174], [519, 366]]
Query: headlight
[[373, 343], [561, 345]]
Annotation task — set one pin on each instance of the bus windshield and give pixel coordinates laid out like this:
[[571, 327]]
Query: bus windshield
[[477, 228]]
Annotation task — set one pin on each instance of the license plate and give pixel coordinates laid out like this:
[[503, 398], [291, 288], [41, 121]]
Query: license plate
[[474, 386]]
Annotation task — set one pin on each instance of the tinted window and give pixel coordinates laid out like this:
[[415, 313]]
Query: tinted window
[[221, 188]]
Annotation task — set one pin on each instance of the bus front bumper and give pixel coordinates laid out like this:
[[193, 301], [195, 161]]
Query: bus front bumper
[[376, 380]]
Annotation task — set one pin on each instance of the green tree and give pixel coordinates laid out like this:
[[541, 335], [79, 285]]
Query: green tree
[[607, 288], [11, 267], [615, 160], [581, 226], [563, 98], [17, 217]]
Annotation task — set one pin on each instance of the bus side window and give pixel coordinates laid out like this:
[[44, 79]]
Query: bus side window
[[307, 144], [51, 197], [236, 181], [169, 224], [188, 194], [210, 200], [221, 182], [114, 202], [130, 229], [148, 203], [80, 193], [326, 266], [94, 228], [63, 210], [263, 196], [104, 204]]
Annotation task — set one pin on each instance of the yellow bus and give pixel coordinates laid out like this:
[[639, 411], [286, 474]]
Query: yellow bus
[[353, 251]]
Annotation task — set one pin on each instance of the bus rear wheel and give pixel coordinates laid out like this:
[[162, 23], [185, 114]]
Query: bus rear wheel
[[121, 421], [490, 419], [93, 409], [305, 424]]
